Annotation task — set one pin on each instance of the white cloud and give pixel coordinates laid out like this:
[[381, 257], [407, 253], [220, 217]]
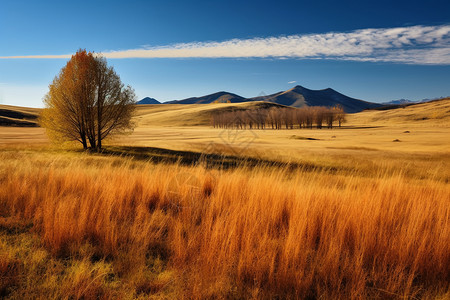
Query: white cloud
[[293, 81], [410, 45]]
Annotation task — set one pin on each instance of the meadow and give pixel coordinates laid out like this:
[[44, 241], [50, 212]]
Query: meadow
[[182, 210]]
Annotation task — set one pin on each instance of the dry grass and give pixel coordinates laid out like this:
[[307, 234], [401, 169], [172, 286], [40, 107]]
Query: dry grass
[[188, 114], [426, 114], [365, 218], [18, 116], [421, 129], [19, 110], [81, 226], [434, 113]]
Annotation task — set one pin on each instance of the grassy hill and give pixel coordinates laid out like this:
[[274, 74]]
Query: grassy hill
[[431, 113], [18, 116], [146, 114], [189, 114], [421, 114], [434, 112], [178, 211]]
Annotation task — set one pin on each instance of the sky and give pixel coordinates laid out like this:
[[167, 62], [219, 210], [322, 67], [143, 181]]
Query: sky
[[372, 50]]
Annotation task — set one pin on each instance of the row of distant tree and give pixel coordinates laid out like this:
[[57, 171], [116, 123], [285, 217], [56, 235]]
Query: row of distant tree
[[280, 118]]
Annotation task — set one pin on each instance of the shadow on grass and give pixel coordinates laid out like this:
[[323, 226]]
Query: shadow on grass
[[358, 127], [215, 161]]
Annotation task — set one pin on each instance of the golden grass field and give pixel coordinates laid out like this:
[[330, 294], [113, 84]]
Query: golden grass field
[[181, 210]]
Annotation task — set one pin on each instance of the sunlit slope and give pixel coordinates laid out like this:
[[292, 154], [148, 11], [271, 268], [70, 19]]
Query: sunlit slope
[[430, 113], [421, 128], [18, 116], [188, 114], [434, 113]]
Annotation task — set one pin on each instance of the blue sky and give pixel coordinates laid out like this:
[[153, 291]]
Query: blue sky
[[375, 51]]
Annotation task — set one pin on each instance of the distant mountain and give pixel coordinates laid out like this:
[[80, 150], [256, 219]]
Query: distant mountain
[[295, 97], [148, 100], [219, 97], [400, 101], [406, 101], [300, 96]]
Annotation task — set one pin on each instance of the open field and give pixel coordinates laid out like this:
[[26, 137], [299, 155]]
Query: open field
[[181, 210], [422, 128], [78, 225]]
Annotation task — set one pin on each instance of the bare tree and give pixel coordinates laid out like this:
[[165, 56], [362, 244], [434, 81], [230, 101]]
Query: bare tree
[[279, 117], [330, 116], [340, 114]]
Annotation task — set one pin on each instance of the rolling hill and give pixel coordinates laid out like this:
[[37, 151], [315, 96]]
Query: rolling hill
[[18, 116], [436, 112], [433, 113], [429, 113], [189, 114]]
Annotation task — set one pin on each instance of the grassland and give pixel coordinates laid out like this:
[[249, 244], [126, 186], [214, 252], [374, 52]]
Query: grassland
[[176, 211], [18, 116]]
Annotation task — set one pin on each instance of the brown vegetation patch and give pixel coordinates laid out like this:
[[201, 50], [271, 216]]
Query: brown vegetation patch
[[250, 231]]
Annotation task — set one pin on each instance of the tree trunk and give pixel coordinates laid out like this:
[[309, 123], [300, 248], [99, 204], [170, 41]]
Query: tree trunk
[[99, 143], [92, 142], [99, 127], [83, 141]]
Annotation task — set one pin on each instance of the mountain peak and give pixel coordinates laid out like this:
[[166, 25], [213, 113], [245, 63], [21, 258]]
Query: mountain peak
[[302, 88], [218, 97], [297, 88], [148, 100], [297, 96]]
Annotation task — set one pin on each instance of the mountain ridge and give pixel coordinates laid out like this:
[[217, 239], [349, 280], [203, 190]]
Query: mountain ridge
[[297, 96], [218, 97]]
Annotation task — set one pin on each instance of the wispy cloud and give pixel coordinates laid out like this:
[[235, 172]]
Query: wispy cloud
[[293, 81], [410, 45]]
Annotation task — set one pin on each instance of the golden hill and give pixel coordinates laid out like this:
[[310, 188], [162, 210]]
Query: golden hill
[[146, 115], [189, 114], [18, 116], [430, 113]]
